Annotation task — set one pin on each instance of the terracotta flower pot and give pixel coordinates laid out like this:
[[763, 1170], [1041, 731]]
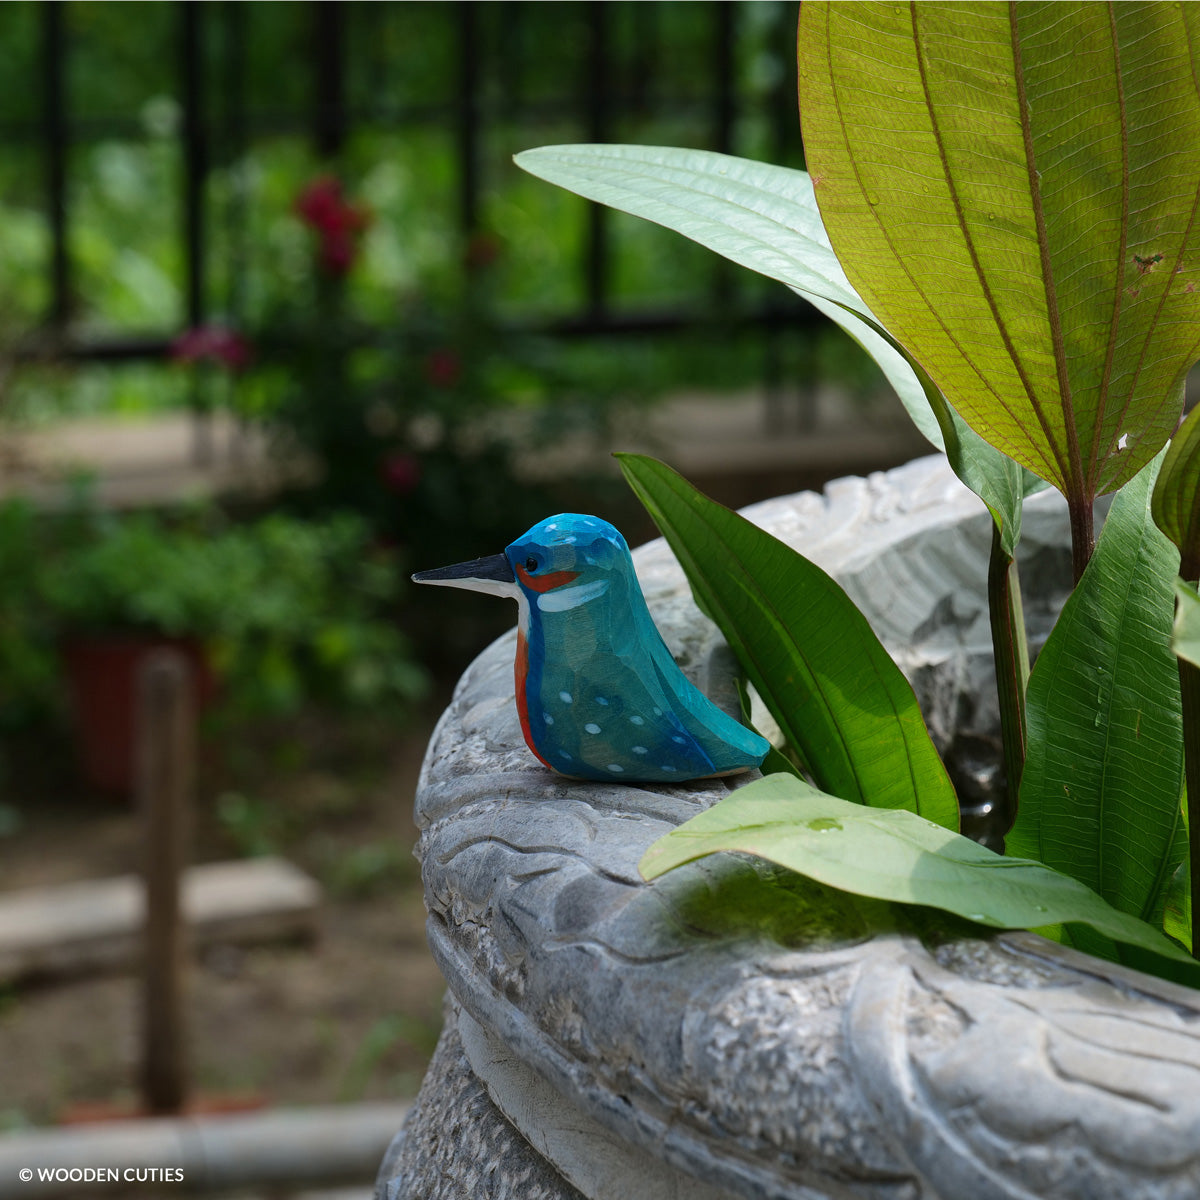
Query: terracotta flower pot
[[102, 677]]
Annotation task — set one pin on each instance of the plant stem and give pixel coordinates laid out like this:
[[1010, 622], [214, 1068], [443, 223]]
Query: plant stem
[[1083, 539], [1189, 689], [1011, 653]]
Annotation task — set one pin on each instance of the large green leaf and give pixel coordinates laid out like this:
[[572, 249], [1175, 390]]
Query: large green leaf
[[765, 217], [1013, 191], [841, 702], [1176, 501], [757, 215], [895, 855], [1100, 792]]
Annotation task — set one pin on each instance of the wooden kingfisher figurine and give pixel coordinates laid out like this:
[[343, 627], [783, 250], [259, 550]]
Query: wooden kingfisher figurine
[[598, 693]]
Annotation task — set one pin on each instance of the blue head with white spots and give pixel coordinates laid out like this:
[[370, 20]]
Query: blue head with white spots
[[567, 561]]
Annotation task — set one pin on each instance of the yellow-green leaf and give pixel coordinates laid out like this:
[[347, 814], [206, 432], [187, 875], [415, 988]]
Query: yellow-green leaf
[[1013, 191]]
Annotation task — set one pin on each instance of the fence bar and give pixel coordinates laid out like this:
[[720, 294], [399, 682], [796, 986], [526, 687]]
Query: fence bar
[[643, 60], [195, 171], [509, 58], [776, 316], [54, 132], [785, 112], [724, 96], [599, 81], [724, 36], [468, 116], [195, 158], [329, 116]]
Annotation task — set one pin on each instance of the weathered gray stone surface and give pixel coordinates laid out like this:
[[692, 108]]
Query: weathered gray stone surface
[[796, 1051], [456, 1143]]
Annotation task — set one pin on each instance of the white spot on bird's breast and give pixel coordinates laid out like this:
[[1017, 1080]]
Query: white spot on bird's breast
[[590, 728]]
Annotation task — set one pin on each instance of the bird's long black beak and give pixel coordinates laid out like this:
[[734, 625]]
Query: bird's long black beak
[[490, 574]]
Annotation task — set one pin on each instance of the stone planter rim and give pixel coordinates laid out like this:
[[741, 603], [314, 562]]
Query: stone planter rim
[[1003, 1066]]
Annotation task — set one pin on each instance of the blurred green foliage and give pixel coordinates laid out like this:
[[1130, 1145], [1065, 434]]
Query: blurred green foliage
[[290, 610], [403, 379], [122, 74]]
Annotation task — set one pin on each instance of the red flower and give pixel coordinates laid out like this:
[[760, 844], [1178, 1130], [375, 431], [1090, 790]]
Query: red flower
[[401, 472], [212, 343], [338, 223], [443, 368]]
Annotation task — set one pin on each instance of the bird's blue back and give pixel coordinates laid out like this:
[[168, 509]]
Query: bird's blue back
[[603, 698]]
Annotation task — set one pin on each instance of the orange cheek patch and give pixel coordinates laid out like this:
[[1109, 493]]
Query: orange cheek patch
[[545, 583]]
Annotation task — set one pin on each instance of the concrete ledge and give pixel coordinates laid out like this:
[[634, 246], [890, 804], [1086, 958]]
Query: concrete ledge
[[97, 925]]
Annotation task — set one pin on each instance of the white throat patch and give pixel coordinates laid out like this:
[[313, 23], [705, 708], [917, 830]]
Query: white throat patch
[[564, 598]]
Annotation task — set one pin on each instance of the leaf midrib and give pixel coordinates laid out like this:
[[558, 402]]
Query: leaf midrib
[[1118, 283], [1077, 483], [977, 266], [900, 259]]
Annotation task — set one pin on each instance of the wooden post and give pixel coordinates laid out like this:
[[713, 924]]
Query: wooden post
[[166, 764]]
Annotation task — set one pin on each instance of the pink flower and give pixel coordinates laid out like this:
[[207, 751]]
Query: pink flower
[[338, 223], [401, 472], [443, 368], [212, 343]]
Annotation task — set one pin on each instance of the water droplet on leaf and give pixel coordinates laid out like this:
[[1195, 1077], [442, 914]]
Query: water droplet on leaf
[[824, 824]]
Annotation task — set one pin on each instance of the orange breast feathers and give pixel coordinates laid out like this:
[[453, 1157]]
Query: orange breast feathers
[[521, 673]]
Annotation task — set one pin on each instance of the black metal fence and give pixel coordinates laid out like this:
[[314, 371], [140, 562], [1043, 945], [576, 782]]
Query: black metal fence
[[493, 69]]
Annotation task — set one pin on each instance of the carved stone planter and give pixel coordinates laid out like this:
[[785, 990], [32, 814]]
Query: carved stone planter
[[606, 1039]]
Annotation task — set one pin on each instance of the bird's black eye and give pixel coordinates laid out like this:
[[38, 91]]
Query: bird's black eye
[[531, 564]]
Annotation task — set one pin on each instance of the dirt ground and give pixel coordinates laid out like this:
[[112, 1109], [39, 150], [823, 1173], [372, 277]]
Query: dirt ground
[[353, 1016]]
